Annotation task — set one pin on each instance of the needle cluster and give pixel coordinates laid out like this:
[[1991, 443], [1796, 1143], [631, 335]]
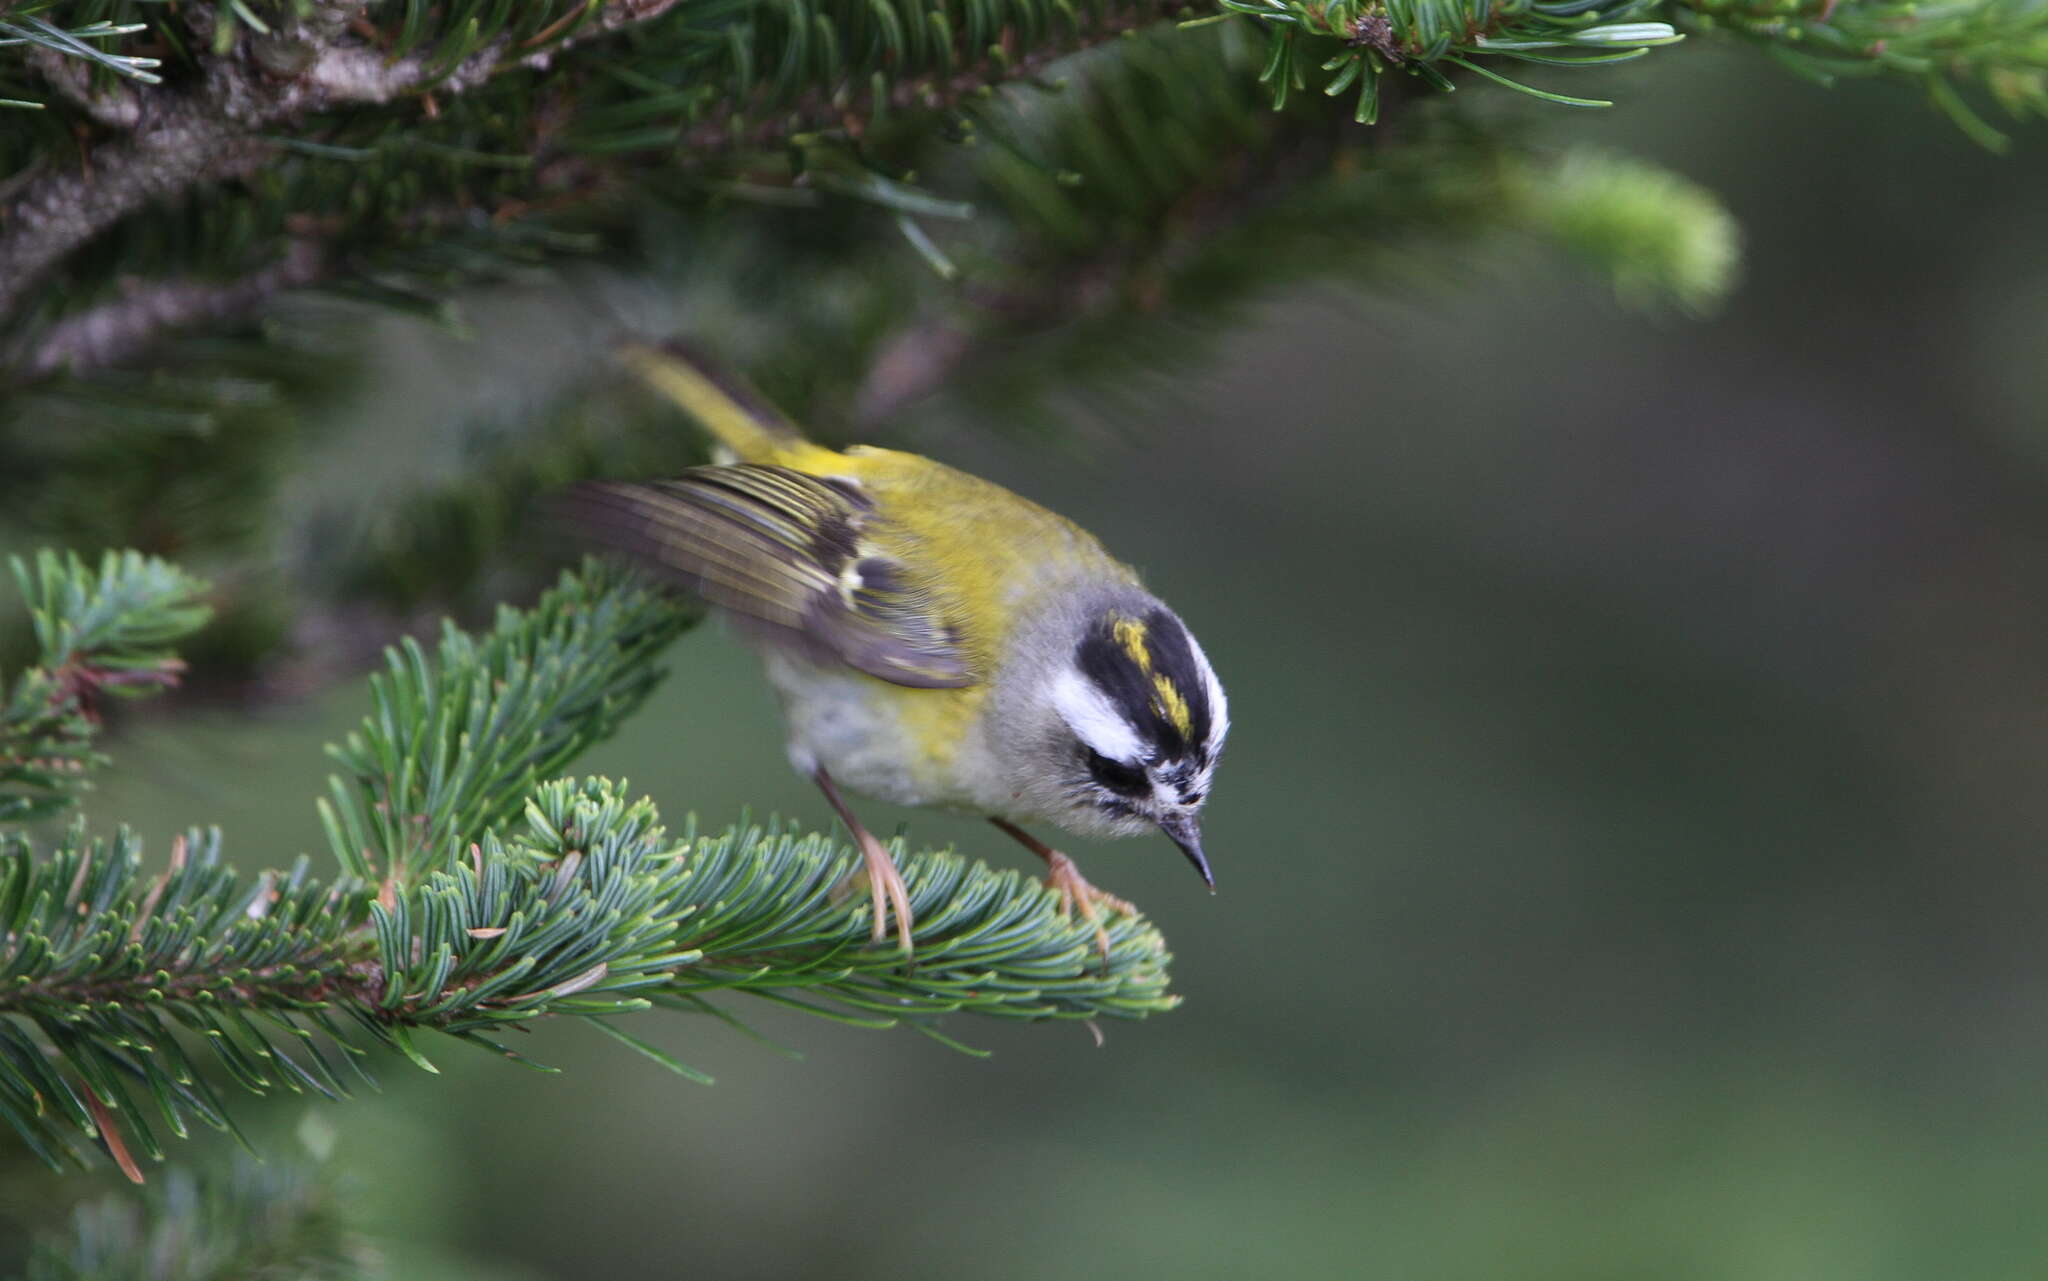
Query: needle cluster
[[170, 168], [477, 893]]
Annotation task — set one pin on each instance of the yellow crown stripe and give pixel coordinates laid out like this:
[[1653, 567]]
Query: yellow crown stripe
[[1130, 633], [1173, 705], [1168, 701]]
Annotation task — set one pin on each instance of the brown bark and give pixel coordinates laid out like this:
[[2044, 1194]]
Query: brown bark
[[181, 138]]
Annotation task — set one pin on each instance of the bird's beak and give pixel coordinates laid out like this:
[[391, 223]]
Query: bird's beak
[[1186, 834]]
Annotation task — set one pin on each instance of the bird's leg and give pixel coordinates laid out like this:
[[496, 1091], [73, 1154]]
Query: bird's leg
[[885, 883], [1065, 879]]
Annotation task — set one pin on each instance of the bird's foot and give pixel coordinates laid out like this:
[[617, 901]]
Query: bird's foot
[[887, 892], [1065, 880], [886, 889]]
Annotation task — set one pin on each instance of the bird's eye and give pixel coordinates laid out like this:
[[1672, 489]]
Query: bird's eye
[[1129, 780]]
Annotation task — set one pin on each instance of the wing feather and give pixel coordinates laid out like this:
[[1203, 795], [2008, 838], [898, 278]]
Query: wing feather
[[793, 553]]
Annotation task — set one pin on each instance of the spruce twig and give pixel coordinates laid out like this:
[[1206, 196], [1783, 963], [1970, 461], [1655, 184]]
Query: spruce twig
[[343, 136], [120, 329], [277, 106], [98, 634], [214, 131], [498, 899]]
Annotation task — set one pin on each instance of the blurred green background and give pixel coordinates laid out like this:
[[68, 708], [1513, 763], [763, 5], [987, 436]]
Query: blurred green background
[[1629, 849]]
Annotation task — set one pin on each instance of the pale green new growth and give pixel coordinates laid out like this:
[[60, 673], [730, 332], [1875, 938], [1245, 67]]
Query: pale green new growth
[[1656, 235]]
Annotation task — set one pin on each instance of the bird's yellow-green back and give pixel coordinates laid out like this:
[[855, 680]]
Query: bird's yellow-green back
[[976, 552], [986, 553]]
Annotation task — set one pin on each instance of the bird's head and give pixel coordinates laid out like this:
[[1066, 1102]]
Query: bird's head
[[1143, 718]]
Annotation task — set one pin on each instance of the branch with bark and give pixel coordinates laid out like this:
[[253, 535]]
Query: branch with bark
[[180, 138], [638, 87], [275, 100]]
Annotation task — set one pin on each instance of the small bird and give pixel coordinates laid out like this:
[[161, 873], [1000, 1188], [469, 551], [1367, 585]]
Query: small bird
[[935, 640]]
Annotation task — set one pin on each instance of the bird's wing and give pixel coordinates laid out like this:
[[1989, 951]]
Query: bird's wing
[[794, 554]]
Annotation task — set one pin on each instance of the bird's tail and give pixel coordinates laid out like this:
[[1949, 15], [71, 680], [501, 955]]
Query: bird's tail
[[741, 418]]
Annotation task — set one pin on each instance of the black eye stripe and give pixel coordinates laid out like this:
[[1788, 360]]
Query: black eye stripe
[[1125, 780]]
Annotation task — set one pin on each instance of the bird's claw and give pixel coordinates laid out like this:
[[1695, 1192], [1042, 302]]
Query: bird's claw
[[887, 893], [1063, 878], [885, 884]]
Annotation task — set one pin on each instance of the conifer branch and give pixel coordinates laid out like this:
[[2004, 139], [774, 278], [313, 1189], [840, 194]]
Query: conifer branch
[[498, 899], [251, 106], [121, 328], [97, 634], [181, 138], [341, 137], [1998, 47], [455, 744]]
